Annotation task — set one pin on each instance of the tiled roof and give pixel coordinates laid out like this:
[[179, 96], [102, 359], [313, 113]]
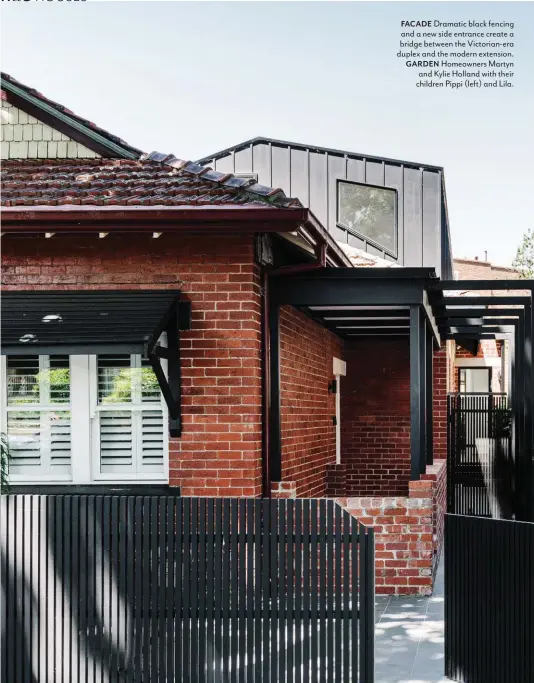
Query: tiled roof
[[7, 80], [155, 180], [362, 259]]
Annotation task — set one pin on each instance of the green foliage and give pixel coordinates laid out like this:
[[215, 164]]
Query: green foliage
[[369, 211], [4, 455], [122, 384], [59, 381], [524, 259]]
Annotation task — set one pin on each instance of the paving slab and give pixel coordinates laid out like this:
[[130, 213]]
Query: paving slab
[[409, 637]]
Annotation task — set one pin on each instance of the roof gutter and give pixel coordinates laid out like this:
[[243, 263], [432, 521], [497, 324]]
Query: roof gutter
[[171, 219]]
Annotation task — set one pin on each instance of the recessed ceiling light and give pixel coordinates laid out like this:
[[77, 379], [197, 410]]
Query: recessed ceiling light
[[26, 338], [52, 318]]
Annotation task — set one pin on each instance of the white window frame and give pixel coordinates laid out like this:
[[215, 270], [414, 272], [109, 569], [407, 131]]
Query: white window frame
[[42, 407], [85, 445]]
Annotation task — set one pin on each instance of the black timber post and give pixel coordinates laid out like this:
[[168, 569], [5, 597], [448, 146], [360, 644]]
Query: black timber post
[[423, 395], [429, 397], [275, 436], [417, 404], [519, 418], [528, 353]]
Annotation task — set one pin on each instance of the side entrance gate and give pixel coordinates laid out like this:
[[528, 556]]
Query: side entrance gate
[[164, 589], [480, 462], [489, 600]]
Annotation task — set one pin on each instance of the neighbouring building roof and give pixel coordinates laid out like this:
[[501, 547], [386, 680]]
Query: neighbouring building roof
[[475, 269], [59, 117], [362, 259], [155, 180]]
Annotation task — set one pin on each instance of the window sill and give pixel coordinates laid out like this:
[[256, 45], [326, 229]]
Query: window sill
[[111, 489]]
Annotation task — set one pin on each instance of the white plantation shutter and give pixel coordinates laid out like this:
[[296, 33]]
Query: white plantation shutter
[[116, 441], [152, 440], [131, 420], [83, 419], [38, 416]]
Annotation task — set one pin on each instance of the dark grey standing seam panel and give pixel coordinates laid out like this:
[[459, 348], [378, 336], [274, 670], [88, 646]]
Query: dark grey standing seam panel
[[280, 168], [413, 234], [337, 167], [159, 589], [243, 160], [394, 180], [261, 163], [318, 186], [432, 220], [300, 186]]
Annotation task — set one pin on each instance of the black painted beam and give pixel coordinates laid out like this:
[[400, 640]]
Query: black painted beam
[[455, 322], [467, 329], [475, 335], [317, 291], [482, 301], [431, 320], [483, 312], [469, 285]]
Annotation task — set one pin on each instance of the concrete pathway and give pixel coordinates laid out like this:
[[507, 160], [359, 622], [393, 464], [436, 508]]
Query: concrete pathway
[[409, 638]]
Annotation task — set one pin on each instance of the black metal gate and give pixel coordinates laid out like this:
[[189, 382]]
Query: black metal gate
[[489, 600], [164, 589], [480, 459]]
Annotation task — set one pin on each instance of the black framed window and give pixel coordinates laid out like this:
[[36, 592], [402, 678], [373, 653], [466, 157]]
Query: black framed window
[[370, 212]]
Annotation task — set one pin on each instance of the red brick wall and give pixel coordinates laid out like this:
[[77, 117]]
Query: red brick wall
[[487, 348], [408, 533], [375, 418], [220, 450], [437, 474], [439, 407], [308, 432]]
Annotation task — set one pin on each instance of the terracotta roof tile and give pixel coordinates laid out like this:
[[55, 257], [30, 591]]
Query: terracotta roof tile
[[156, 179], [362, 259]]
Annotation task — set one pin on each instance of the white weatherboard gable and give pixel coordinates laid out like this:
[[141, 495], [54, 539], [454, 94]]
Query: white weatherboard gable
[[24, 137]]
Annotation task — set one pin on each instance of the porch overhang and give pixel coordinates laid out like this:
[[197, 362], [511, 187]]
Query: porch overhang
[[411, 303], [356, 303], [502, 311], [101, 321]]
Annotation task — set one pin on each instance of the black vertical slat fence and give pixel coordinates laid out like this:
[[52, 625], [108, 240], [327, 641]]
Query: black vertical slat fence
[[489, 600], [159, 589], [480, 460]]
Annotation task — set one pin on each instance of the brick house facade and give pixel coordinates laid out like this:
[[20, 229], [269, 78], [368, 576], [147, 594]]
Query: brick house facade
[[70, 225]]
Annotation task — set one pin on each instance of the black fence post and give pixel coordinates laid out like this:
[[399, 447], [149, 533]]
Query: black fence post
[[163, 588]]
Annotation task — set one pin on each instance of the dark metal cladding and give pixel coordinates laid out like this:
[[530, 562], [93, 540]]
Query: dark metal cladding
[[312, 173]]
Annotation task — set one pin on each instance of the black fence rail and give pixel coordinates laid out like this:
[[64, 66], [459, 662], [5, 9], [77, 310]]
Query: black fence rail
[[480, 459], [160, 589], [489, 600]]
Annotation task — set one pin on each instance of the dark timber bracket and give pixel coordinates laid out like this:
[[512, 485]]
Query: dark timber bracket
[[178, 317]]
